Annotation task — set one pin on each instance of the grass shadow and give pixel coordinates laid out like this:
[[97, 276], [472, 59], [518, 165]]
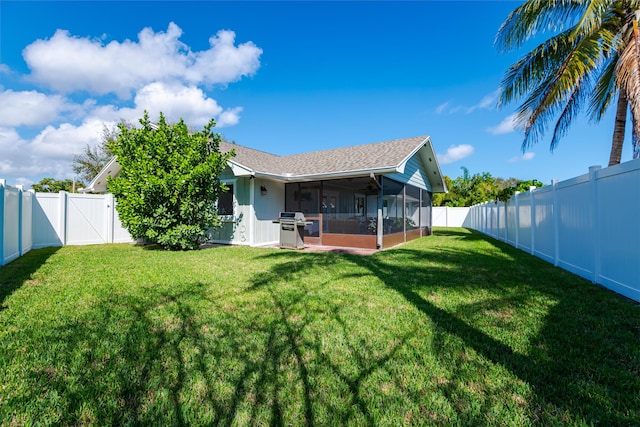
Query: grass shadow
[[583, 363], [18, 272], [471, 333]]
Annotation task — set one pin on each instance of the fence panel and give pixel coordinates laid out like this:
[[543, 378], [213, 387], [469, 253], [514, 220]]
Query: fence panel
[[576, 226], [10, 223], [523, 201], [26, 240], [544, 224], [47, 217], [87, 219], [512, 230], [120, 234], [587, 225], [619, 230], [445, 216]]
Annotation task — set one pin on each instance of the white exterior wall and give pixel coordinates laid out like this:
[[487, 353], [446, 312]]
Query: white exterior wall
[[267, 208]]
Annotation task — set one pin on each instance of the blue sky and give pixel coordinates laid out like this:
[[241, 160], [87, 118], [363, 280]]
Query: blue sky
[[283, 77]]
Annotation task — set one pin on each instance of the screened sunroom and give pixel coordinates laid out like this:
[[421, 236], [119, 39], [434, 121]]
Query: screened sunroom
[[361, 211]]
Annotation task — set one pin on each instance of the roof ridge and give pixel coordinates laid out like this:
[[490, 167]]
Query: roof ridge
[[351, 147]]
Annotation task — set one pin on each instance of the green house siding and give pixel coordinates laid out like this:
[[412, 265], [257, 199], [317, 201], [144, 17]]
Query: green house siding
[[235, 228], [414, 174]]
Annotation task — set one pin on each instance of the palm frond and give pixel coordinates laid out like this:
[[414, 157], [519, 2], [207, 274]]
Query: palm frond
[[593, 15], [535, 16], [604, 89], [571, 109], [535, 67], [559, 88]]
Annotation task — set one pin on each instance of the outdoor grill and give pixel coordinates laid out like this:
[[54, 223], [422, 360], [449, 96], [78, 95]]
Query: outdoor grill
[[292, 229]]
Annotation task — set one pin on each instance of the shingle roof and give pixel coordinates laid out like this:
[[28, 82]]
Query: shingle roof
[[380, 155]]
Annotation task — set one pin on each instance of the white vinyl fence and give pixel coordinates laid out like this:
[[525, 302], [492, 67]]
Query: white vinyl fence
[[15, 222], [445, 216], [37, 220], [589, 225]]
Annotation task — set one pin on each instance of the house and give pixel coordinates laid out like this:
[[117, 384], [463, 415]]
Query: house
[[368, 196]]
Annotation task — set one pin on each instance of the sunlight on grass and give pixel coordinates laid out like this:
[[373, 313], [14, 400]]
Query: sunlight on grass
[[449, 329]]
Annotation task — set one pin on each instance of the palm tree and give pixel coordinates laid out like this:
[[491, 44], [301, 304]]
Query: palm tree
[[592, 58]]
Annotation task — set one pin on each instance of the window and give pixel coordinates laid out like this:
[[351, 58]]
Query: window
[[225, 201]]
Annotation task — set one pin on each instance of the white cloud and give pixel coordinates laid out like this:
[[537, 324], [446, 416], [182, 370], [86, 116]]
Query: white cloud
[[442, 107], [529, 155], [177, 101], [485, 103], [49, 153], [31, 108], [155, 73], [174, 101], [67, 63], [508, 125], [4, 68], [224, 62], [229, 117], [60, 143], [455, 153]]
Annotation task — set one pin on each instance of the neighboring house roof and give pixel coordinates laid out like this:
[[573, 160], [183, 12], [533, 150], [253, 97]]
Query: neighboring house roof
[[379, 158]]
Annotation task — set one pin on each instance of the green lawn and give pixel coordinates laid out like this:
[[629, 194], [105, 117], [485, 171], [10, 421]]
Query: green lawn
[[450, 329]]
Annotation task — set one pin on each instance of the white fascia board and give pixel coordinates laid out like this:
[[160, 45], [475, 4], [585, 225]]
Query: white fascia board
[[436, 179], [239, 170], [99, 183], [326, 176], [432, 167], [403, 163]]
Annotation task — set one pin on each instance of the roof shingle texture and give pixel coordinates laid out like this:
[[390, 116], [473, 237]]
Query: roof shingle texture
[[388, 154]]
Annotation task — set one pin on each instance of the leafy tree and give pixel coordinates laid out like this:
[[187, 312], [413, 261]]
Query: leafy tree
[[467, 190], [522, 186], [169, 182], [52, 185], [593, 58], [439, 199]]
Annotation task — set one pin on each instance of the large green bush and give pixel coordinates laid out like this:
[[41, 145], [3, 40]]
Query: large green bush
[[169, 182]]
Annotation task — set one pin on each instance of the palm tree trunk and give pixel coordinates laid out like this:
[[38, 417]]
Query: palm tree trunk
[[618, 129]]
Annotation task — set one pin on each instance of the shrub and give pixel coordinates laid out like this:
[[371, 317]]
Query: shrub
[[169, 181]]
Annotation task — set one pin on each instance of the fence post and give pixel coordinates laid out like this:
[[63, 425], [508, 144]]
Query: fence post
[[497, 209], [19, 187], [2, 184], [516, 197], [556, 224], [533, 219], [110, 214], [595, 221], [446, 216], [62, 211]]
